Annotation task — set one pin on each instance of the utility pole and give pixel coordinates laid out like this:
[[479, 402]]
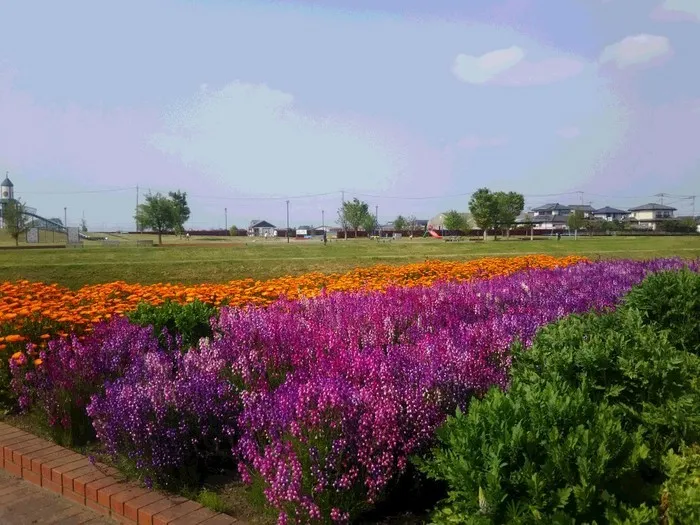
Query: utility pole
[[287, 222], [65, 218], [226, 219], [692, 199], [323, 220], [137, 209], [376, 219], [342, 210]]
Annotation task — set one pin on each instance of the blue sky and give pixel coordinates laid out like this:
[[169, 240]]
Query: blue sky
[[411, 106]]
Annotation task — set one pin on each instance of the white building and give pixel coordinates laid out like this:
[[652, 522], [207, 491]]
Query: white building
[[258, 228], [649, 215]]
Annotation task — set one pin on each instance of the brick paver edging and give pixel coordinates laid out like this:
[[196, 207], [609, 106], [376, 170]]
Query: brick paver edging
[[96, 486]]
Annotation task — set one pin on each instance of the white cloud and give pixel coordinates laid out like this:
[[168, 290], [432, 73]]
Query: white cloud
[[634, 50], [679, 8], [480, 69], [508, 67], [255, 139]]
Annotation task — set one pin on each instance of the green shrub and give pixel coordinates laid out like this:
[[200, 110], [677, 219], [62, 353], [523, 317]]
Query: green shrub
[[680, 499], [671, 301], [626, 363], [190, 321], [581, 434], [546, 453]]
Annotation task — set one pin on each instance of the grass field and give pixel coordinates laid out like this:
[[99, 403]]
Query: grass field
[[226, 259]]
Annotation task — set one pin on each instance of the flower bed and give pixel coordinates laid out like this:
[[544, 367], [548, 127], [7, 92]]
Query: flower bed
[[321, 402], [32, 311]]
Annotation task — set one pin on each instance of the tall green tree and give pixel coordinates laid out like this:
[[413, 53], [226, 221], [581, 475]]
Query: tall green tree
[[353, 213], [576, 221], [400, 223], [159, 214], [14, 220], [182, 210], [510, 205], [454, 221], [369, 223], [484, 207], [493, 209]]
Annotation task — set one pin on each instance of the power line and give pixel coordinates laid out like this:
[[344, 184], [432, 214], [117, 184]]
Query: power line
[[130, 188]]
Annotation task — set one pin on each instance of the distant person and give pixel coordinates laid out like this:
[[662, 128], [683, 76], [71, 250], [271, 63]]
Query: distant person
[[325, 237], [188, 236], [559, 236]]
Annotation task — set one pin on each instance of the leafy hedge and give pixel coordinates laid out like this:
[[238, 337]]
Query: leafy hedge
[[671, 301]]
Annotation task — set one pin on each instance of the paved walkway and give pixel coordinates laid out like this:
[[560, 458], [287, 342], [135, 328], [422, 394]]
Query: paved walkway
[[22, 503]]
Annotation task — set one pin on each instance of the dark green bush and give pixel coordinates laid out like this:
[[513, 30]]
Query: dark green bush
[[190, 321], [626, 363], [671, 301], [539, 453], [580, 435], [680, 499]]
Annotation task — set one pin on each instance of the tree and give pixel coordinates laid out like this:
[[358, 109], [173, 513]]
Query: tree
[[484, 207], [491, 210], [677, 226], [83, 225], [597, 225], [510, 205], [233, 231], [400, 223], [14, 219], [353, 213], [159, 214], [182, 210], [576, 221], [369, 223], [412, 223], [454, 221]]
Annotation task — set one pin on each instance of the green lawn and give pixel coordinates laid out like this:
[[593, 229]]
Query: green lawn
[[225, 260]]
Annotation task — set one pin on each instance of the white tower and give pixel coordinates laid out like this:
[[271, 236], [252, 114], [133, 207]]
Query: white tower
[[7, 189]]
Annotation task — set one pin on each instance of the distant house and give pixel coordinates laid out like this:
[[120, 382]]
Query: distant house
[[610, 214], [258, 228], [552, 209], [647, 216], [550, 222], [555, 208], [586, 209]]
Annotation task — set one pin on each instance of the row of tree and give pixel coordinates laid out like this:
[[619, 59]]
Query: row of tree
[[355, 214], [490, 210]]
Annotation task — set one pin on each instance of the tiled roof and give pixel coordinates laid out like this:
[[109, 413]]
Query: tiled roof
[[608, 209], [652, 206]]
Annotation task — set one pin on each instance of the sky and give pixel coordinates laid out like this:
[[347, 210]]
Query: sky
[[408, 105]]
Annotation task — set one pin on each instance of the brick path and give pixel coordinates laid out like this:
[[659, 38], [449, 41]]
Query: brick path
[[96, 488], [22, 503]]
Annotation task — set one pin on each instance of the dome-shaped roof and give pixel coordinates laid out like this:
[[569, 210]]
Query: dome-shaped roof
[[7, 183]]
